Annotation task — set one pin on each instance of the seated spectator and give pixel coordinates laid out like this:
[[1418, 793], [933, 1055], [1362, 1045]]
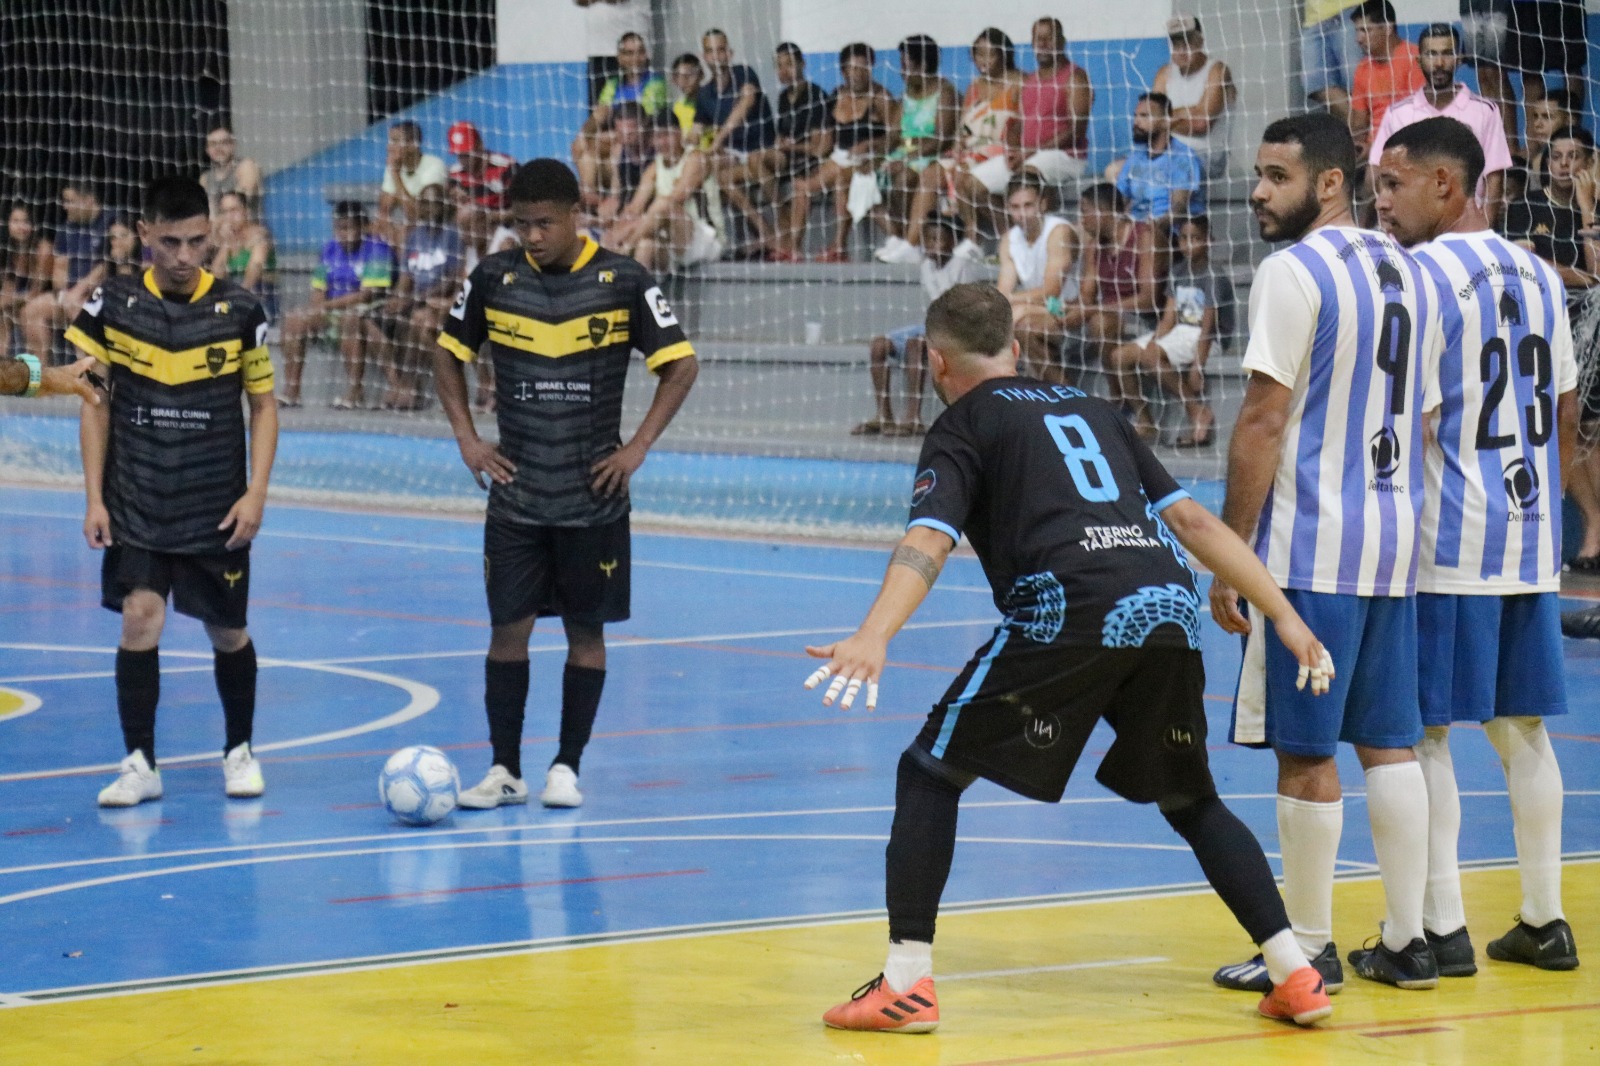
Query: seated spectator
[[1120, 282], [245, 252], [634, 83], [1553, 112], [228, 173], [604, 23], [688, 77], [948, 263], [732, 107], [930, 114], [406, 173], [77, 266], [1162, 178], [1198, 316], [631, 152], [479, 183], [1039, 264], [1053, 131], [123, 254], [802, 135], [1388, 73], [1328, 55], [356, 269], [861, 117], [672, 220], [1202, 94], [25, 269], [1546, 36], [1555, 223], [431, 272]]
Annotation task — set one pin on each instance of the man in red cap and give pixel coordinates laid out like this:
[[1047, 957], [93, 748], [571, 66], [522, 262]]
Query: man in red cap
[[479, 180]]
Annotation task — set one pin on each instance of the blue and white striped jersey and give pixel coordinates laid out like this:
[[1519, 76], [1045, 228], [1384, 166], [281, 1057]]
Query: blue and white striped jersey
[[1349, 322], [1491, 518]]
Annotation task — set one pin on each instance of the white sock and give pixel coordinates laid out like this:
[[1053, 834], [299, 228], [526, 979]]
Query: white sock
[[1534, 780], [1442, 910], [909, 962], [1281, 952], [1308, 836], [1397, 802]]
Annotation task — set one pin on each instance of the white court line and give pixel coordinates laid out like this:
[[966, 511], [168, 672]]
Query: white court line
[[978, 975], [15, 1001]]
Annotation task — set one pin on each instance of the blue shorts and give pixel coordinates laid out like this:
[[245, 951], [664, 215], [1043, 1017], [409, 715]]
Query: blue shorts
[[899, 337], [1373, 698], [1487, 656], [1328, 55]]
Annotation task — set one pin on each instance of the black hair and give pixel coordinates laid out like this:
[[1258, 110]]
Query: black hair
[[544, 181], [84, 188], [941, 224], [1161, 100], [1440, 29], [1105, 196], [138, 246], [1561, 98], [998, 39], [688, 59], [661, 121], [1325, 143], [632, 111], [635, 35], [1574, 133], [1055, 25], [411, 130], [857, 48], [1441, 137], [922, 50], [353, 210], [713, 32], [1373, 11], [1199, 222], [175, 199], [1029, 180], [792, 50]]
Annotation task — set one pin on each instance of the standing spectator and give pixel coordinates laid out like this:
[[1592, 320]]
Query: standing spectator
[[734, 110], [1442, 96], [1486, 29], [124, 253], [802, 130], [1120, 286], [604, 23], [356, 269], [1389, 72], [228, 173], [77, 266], [930, 113], [479, 180], [635, 83], [1040, 260], [1202, 93], [672, 220], [688, 77], [1328, 55], [430, 274], [1053, 134], [406, 173], [25, 269], [245, 253]]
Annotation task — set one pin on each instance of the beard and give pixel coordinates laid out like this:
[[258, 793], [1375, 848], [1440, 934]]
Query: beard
[[1292, 224], [1141, 136]]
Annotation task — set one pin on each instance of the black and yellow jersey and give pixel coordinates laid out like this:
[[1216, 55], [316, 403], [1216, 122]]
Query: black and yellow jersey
[[560, 342], [176, 460]]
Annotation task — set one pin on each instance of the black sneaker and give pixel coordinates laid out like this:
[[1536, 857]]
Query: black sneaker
[[1550, 947], [1581, 625], [1453, 952], [1252, 976], [1411, 968]]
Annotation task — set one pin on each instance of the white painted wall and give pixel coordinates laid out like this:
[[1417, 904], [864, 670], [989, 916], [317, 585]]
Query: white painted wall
[[826, 25]]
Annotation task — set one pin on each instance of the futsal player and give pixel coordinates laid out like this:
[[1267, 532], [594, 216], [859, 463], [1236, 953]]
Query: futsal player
[[24, 375], [1325, 475], [1079, 529], [175, 485], [561, 317], [1489, 579]]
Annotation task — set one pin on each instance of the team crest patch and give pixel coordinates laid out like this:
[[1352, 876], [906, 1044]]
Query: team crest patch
[[222, 307], [925, 483], [216, 359], [598, 328]]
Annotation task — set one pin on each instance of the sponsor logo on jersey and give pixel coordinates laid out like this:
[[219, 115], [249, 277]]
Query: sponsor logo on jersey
[[221, 307], [459, 308], [660, 308], [1522, 483], [95, 300], [608, 568], [1179, 738], [1042, 730], [925, 483], [232, 577], [606, 277], [508, 277], [1385, 450]]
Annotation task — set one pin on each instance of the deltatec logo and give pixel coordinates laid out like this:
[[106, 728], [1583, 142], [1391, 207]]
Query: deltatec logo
[[1385, 449], [1522, 483]]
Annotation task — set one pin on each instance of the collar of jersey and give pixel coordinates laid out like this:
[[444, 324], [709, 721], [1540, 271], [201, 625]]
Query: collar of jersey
[[206, 281], [589, 249]]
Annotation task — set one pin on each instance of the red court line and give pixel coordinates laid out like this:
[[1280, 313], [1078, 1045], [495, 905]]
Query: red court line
[[523, 884], [1411, 1032], [33, 832], [655, 784], [748, 777]]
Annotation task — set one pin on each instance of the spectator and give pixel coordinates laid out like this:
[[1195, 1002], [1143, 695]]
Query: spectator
[[25, 269], [77, 266], [861, 117], [1202, 93], [930, 114], [1389, 72], [1554, 223], [1053, 134], [948, 263], [431, 272], [1039, 264], [356, 269], [688, 78], [1485, 27], [228, 173], [631, 152], [634, 83], [123, 254], [1548, 35], [479, 182], [1328, 55], [1120, 284], [1442, 96], [245, 252], [672, 221], [1162, 178], [1199, 315], [604, 24], [1545, 116], [732, 107], [407, 171], [802, 131]]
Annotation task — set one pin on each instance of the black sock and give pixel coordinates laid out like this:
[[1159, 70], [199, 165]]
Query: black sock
[[922, 844], [235, 672], [138, 692], [505, 695], [1233, 862], [580, 701]]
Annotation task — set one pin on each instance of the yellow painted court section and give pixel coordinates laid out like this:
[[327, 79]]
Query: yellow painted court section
[[755, 998], [14, 703]]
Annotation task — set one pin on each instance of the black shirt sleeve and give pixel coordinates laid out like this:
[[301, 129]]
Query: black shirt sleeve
[[654, 328], [1160, 487], [948, 478], [466, 327], [88, 332], [254, 359]]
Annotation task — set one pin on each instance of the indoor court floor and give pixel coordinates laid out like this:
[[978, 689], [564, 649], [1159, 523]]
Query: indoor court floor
[[719, 889]]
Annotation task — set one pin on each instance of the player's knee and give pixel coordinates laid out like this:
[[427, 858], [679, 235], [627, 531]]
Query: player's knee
[[143, 613], [879, 352], [922, 770], [509, 642], [227, 640], [1184, 811]]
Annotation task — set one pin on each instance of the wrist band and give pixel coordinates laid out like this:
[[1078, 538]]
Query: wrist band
[[35, 373]]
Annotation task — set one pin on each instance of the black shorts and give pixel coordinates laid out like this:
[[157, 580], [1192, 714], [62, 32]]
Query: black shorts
[[1020, 716], [582, 574], [214, 588]]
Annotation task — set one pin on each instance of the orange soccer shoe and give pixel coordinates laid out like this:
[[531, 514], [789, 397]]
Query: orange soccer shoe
[[1301, 999], [876, 1008]]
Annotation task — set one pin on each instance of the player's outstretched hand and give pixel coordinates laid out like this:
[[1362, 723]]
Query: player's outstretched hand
[[70, 379], [97, 526], [483, 458], [1316, 665], [244, 518], [610, 476], [853, 662], [1225, 608]]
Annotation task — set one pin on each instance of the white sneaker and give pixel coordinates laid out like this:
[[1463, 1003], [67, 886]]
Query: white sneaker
[[561, 788], [898, 250], [241, 774], [135, 783], [496, 788]]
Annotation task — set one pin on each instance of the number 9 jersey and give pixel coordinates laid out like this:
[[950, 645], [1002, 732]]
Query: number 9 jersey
[[1491, 522], [1349, 323]]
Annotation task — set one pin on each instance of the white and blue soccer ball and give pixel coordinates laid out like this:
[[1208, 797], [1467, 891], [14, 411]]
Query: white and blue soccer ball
[[419, 785]]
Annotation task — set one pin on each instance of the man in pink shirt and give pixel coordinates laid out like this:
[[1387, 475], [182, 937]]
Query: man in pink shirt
[[1438, 55]]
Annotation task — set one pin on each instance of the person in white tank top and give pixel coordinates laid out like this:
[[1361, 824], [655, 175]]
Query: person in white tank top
[[674, 218], [1202, 93], [1039, 273]]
